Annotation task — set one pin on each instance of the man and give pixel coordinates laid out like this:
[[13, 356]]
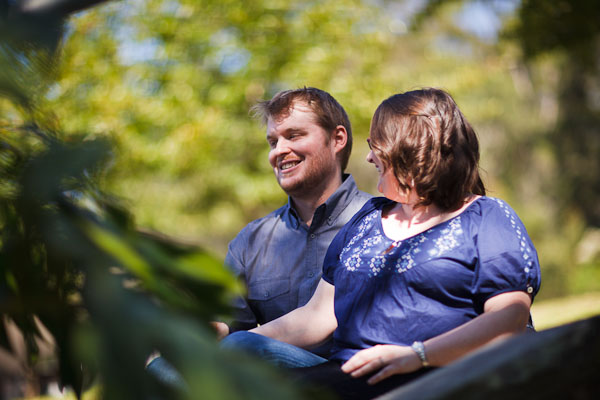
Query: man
[[280, 256]]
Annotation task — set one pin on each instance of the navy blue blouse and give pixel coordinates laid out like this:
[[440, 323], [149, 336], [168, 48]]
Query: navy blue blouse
[[396, 292]]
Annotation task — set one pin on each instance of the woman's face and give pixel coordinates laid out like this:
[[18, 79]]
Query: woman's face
[[388, 184]]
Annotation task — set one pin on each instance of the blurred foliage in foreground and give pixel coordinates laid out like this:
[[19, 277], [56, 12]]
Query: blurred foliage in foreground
[[170, 83], [85, 297]]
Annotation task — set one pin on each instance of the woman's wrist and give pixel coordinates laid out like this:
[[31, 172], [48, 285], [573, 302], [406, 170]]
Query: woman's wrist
[[419, 348]]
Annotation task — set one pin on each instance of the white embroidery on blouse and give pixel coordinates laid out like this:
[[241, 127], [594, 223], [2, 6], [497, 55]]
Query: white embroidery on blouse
[[407, 260], [402, 254], [376, 265], [526, 251], [448, 239], [353, 261]]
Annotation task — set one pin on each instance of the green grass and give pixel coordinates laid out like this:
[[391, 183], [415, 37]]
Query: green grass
[[550, 313]]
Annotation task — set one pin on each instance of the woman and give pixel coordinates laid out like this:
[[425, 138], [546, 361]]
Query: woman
[[425, 274]]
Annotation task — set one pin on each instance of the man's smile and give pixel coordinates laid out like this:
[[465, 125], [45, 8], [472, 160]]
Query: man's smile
[[285, 165]]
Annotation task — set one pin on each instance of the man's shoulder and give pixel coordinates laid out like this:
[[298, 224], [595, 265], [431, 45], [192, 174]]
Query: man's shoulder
[[268, 219], [254, 231], [266, 222], [356, 201], [362, 197]]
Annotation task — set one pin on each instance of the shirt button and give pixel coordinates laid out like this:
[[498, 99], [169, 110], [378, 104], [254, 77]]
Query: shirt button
[[529, 289], [312, 236], [311, 274], [266, 294]]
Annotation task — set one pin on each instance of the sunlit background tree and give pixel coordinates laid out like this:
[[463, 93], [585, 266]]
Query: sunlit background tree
[[170, 83]]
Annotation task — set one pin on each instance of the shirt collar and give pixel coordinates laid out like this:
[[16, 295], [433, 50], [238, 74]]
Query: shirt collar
[[327, 212]]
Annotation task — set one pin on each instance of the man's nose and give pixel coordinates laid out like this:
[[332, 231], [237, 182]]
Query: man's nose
[[282, 147]]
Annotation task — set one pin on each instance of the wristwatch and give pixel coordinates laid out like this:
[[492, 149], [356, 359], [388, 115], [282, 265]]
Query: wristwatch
[[419, 348]]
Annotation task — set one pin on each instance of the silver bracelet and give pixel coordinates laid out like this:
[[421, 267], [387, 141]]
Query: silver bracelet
[[419, 348]]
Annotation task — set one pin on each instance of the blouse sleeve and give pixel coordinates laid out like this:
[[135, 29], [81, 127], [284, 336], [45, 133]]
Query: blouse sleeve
[[507, 259]]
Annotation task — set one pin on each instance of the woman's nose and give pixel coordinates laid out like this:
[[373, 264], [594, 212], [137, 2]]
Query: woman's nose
[[370, 157]]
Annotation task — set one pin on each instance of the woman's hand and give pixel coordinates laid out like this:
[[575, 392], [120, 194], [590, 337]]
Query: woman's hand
[[389, 359]]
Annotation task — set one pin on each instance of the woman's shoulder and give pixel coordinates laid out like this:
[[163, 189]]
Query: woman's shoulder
[[374, 203], [377, 200], [493, 206], [486, 205], [491, 213]]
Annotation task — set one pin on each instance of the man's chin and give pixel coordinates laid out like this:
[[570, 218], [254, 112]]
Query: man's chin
[[293, 188]]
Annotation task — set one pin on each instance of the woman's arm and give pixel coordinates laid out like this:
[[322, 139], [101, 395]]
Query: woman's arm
[[307, 326], [504, 314]]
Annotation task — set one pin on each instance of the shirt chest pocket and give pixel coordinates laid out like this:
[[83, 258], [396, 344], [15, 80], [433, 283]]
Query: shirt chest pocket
[[270, 298]]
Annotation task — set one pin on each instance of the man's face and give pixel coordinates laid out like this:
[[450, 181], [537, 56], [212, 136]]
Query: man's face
[[302, 156]]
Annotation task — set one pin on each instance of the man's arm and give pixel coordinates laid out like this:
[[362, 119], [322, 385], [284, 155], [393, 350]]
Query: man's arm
[[244, 317], [307, 326]]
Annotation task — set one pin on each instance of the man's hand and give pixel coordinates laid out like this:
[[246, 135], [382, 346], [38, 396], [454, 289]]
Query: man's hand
[[388, 359], [221, 328]]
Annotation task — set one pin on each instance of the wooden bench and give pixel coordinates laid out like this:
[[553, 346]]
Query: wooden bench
[[558, 363]]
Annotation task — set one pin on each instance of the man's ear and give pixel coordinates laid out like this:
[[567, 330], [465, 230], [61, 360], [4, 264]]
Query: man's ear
[[339, 138]]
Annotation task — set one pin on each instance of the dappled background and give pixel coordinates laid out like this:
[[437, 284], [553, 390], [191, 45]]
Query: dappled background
[[129, 156], [170, 84]]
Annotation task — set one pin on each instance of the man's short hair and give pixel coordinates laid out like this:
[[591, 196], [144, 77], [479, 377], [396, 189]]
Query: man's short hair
[[328, 111]]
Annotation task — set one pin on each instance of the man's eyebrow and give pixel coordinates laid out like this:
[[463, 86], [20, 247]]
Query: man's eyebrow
[[294, 130], [288, 131]]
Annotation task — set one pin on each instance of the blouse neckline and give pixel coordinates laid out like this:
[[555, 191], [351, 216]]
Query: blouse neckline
[[396, 242]]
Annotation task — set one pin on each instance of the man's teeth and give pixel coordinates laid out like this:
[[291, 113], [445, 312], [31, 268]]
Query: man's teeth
[[288, 165]]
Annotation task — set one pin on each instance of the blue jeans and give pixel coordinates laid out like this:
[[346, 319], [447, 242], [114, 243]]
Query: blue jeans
[[166, 373], [277, 353]]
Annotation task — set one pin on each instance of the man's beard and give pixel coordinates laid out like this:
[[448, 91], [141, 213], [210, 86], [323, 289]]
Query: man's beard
[[314, 180]]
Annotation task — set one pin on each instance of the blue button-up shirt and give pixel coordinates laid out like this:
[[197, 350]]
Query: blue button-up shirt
[[280, 258]]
